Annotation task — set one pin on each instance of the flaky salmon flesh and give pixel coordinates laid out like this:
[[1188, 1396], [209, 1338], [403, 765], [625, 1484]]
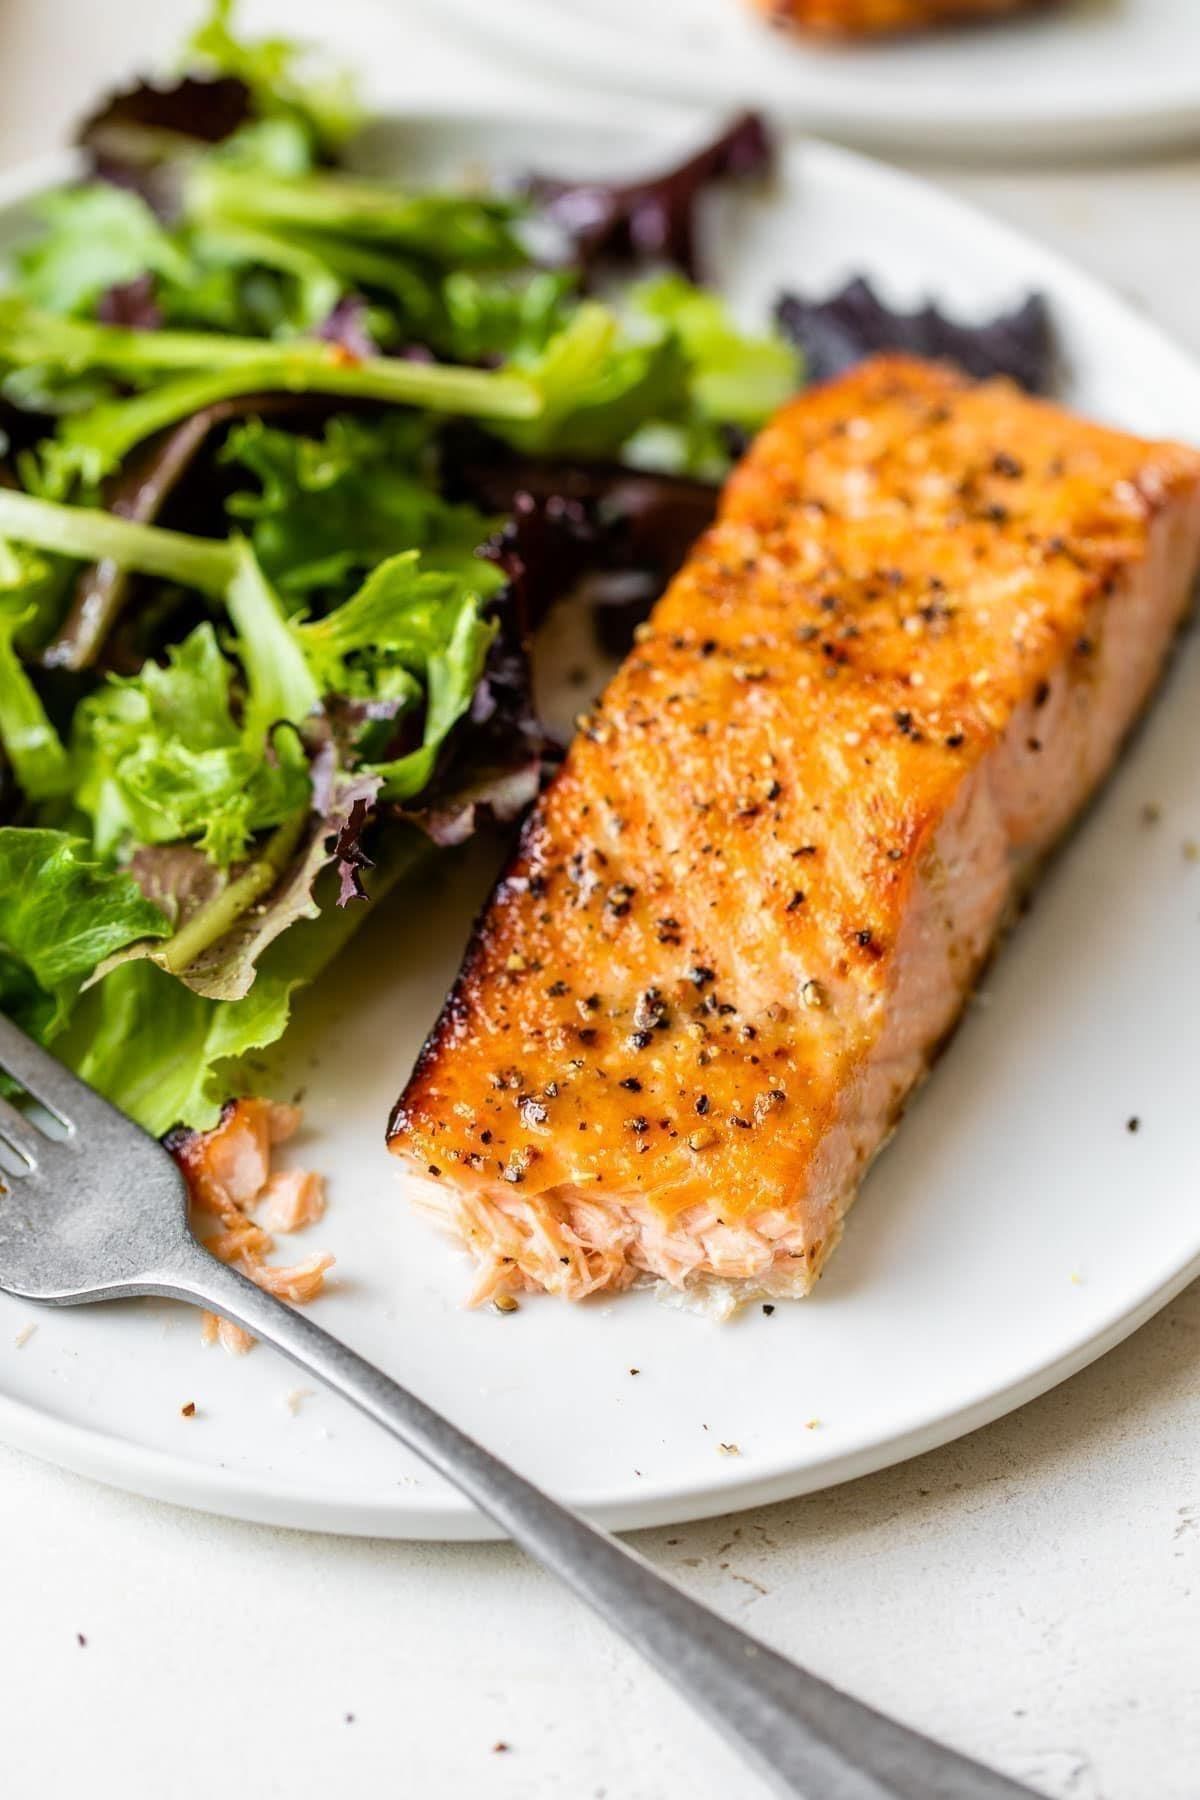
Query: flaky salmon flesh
[[750, 907], [875, 18]]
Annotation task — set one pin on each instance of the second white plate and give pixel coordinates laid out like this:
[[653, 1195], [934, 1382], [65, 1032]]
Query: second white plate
[[1014, 1230], [1085, 75]]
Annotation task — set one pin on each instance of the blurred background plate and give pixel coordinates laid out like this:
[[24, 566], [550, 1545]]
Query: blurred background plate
[[1085, 75]]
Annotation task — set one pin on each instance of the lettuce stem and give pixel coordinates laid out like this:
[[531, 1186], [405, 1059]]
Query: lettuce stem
[[223, 911], [105, 434], [91, 535], [298, 365], [454, 227]]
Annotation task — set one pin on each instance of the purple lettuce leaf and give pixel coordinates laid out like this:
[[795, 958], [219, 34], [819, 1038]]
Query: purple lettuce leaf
[[837, 332], [133, 138], [349, 858], [652, 220], [178, 878], [623, 532], [349, 326], [567, 524], [491, 797], [131, 303], [627, 519], [345, 805], [542, 549]]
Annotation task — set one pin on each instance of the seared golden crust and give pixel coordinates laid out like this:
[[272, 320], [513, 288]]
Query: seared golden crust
[[879, 18], [670, 995]]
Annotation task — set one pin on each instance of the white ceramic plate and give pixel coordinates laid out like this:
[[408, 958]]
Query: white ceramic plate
[[1086, 75], [1014, 1231]]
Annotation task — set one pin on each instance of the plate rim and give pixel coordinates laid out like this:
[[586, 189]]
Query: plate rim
[[211, 1487], [1128, 115]]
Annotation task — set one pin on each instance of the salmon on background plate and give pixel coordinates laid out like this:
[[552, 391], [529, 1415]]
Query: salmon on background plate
[[874, 18], [750, 907]]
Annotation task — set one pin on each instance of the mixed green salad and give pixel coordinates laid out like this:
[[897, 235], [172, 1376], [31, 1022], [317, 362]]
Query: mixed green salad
[[291, 461]]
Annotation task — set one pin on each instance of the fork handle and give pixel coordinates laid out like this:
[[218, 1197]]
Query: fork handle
[[805, 1737]]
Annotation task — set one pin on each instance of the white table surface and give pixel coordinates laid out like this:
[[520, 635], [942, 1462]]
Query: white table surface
[[1027, 1594]]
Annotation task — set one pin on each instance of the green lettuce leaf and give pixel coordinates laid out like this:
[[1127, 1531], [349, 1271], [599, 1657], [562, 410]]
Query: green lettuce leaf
[[327, 509], [402, 610], [280, 77], [408, 634], [254, 282], [163, 1054], [449, 661], [654, 384], [159, 757], [61, 914], [282, 686], [33, 585], [733, 377], [32, 745], [224, 923], [168, 1056], [95, 238], [597, 386], [484, 314]]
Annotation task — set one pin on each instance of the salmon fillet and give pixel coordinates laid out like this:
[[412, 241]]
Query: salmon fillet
[[874, 18], [750, 907]]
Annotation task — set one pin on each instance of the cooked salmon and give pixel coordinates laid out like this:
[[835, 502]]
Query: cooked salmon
[[228, 1172], [750, 907], [875, 18]]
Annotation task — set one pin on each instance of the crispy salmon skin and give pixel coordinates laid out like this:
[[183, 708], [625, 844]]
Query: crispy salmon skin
[[750, 907], [881, 18]]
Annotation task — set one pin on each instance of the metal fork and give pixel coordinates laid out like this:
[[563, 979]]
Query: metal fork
[[98, 1211]]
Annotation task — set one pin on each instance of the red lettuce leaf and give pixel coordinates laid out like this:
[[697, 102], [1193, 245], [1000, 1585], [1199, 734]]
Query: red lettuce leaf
[[131, 303], [345, 805], [348, 325], [622, 531], [654, 219], [579, 517], [133, 137], [842, 329], [542, 549]]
